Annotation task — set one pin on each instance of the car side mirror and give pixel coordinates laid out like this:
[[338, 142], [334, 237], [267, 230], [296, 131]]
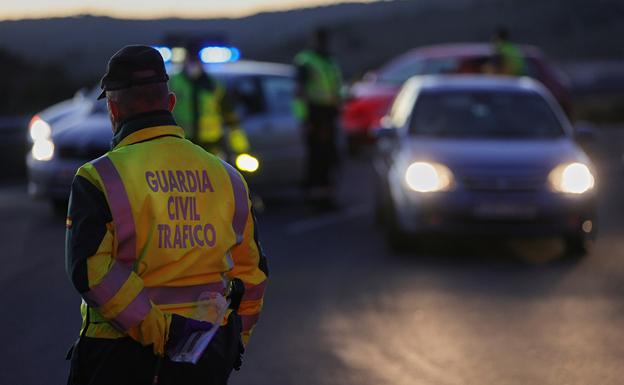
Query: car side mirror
[[584, 133], [385, 133], [386, 129]]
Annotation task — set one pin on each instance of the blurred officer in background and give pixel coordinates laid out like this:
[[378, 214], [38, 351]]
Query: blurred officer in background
[[152, 225], [510, 60], [317, 106], [205, 110]]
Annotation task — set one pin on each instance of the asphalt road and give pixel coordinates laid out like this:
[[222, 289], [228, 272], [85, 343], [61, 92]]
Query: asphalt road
[[342, 309]]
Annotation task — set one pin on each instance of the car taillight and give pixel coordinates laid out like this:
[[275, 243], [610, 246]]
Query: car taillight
[[360, 115]]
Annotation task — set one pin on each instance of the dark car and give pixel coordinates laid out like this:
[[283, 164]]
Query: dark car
[[371, 98], [482, 155]]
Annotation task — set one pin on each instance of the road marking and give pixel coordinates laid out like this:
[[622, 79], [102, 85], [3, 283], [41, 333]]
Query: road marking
[[311, 224]]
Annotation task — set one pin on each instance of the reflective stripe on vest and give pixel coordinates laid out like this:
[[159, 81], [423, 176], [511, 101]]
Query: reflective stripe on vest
[[183, 294], [109, 286], [120, 210], [241, 204], [134, 313], [249, 321], [254, 292], [125, 234]]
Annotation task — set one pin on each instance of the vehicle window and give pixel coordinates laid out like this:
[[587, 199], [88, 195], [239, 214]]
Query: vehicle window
[[484, 114], [278, 94], [399, 71], [245, 93], [441, 66], [404, 69]]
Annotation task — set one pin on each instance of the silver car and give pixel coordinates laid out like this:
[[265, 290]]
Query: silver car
[[66, 136], [482, 155]]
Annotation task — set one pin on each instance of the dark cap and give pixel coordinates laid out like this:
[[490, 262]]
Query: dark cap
[[133, 65]]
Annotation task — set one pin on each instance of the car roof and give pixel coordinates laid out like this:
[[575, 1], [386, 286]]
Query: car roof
[[463, 50], [248, 67], [476, 83]]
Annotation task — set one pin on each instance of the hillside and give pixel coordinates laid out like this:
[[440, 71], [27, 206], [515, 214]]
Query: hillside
[[365, 34]]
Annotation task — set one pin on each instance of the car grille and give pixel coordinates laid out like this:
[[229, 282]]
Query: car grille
[[86, 153], [504, 181]]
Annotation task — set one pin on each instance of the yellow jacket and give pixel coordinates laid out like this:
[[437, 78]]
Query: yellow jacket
[[154, 223]]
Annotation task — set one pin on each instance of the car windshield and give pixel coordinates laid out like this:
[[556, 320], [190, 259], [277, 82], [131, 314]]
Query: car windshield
[[399, 71], [484, 114]]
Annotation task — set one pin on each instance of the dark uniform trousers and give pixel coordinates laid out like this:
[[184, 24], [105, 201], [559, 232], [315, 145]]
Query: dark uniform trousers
[[100, 361], [321, 143]]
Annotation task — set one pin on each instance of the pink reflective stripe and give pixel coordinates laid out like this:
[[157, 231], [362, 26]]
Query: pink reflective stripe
[[249, 321], [120, 209], [134, 313], [254, 292], [173, 295], [109, 286], [241, 203]]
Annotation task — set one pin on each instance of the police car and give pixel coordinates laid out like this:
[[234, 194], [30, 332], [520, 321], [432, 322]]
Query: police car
[[65, 136], [482, 155]]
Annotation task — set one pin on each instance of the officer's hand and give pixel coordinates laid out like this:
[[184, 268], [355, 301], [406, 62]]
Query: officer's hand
[[182, 327]]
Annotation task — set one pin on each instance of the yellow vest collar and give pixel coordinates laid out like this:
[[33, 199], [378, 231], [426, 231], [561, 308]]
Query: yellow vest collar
[[151, 133]]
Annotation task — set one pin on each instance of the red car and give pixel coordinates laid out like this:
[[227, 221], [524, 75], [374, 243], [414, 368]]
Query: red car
[[371, 98]]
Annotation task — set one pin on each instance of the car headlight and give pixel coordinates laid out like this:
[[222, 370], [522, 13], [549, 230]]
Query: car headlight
[[571, 178], [43, 149], [428, 177], [39, 129], [247, 163]]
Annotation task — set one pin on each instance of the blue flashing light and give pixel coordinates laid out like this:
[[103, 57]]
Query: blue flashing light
[[165, 52], [219, 54], [235, 54]]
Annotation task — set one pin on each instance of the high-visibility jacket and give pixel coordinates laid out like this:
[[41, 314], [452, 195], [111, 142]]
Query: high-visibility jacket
[[512, 58], [151, 225], [203, 109], [323, 80]]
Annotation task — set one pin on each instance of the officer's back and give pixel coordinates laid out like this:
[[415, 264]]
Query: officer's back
[[153, 225], [188, 205]]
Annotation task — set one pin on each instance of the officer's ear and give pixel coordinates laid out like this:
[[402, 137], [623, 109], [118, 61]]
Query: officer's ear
[[171, 101], [113, 108], [113, 113]]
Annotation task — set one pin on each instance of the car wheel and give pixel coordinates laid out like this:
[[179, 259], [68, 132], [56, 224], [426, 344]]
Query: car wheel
[[576, 246]]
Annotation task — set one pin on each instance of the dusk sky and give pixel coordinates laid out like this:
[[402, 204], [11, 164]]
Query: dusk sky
[[150, 8]]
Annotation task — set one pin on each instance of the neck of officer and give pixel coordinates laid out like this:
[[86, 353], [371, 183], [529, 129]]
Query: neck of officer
[[140, 121]]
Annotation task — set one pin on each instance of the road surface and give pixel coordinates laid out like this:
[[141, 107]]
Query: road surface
[[341, 308]]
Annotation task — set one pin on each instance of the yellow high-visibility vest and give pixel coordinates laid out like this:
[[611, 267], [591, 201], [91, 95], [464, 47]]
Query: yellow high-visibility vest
[[181, 225]]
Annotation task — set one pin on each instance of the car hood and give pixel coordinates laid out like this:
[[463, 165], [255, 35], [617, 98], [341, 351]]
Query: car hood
[[93, 131], [471, 154]]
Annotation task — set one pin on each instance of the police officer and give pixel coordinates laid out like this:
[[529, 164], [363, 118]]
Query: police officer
[[152, 225], [317, 105], [510, 60], [205, 110]]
